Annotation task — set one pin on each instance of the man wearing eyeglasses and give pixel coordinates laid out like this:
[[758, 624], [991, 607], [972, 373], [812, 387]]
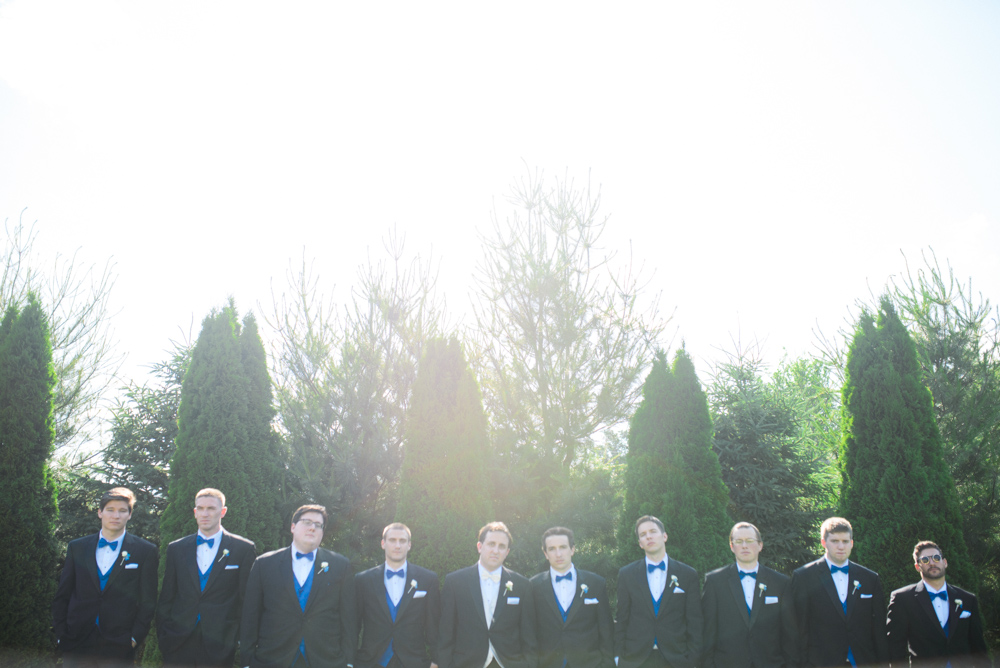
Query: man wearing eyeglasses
[[934, 623], [748, 613], [300, 608], [839, 605]]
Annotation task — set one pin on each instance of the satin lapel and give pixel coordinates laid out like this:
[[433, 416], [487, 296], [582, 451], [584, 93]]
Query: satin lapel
[[219, 564], [826, 578], [477, 595], [286, 573], [578, 597], [189, 561], [378, 587], [319, 583], [923, 601], [953, 613], [852, 591], [550, 595], [128, 545], [90, 558], [736, 589], [642, 582]]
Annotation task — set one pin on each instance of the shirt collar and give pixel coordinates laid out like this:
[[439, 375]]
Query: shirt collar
[[743, 570], [405, 565], [212, 537], [666, 562], [483, 572], [120, 539], [553, 572], [830, 564], [296, 550], [932, 589]]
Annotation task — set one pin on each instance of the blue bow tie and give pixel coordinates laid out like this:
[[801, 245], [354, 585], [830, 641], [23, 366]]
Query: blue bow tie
[[307, 555], [568, 576], [104, 543], [204, 541], [652, 567], [744, 574], [838, 569], [943, 595], [391, 574]]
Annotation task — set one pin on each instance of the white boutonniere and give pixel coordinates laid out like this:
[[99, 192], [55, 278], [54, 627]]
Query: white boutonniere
[[583, 590], [857, 586], [761, 589], [324, 567], [413, 585], [125, 556], [225, 553], [509, 587], [958, 604], [673, 581]]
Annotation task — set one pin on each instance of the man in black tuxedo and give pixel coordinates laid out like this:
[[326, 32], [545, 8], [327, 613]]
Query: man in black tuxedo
[[749, 619], [107, 592], [299, 606], [839, 605], [932, 623], [201, 599], [487, 613], [398, 605], [659, 621], [575, 629]]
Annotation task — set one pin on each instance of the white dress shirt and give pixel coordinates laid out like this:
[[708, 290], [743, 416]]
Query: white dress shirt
[[657, 579], [748, 584], [205, 554], [105, 555], [839, 580], [302, 567], [564, 590], [395, 586], [491, 592], [940, 607]]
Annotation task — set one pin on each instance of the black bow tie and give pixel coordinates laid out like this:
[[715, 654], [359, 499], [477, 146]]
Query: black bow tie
[[744, 574]]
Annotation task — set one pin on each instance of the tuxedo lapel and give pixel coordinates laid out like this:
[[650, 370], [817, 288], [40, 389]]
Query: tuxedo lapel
[[550, 595], [220, 559], [189, 559], [90, 556], [953, 613], [826, 578], [477, 595], [128, 545], [382, 594], [318, 575], [923, 601], [736, 589], [578, 596], [643, 584]]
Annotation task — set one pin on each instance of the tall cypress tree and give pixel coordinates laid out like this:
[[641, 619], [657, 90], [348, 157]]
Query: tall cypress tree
[[672, 471], [27, 496], [224, 438], [896, 487], [444, 492]]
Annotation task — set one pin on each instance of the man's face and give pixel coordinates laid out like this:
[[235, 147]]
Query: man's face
[[208, 513], [396, 545], [932, 570], [651, 539], [558, 553], [838, 547], [745, 546], [114, 517], [493, 550], [307, 532]]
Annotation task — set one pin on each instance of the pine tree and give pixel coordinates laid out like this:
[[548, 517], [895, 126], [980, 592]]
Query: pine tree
[[444, 489], [896, 488], [672, 471], [27, 496], [224, 437]]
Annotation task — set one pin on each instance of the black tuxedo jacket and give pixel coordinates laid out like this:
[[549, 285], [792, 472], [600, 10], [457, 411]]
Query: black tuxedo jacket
[[464, 638], [915, 634], [414, 633], [677, 628], [220, 605], [586, 639], [765, 638], [825, 632], [126, 605], [274, 623]]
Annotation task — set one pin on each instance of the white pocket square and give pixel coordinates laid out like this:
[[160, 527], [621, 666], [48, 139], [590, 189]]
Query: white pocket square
[[131, 566], [419, 594], [965, 615], [768, 600], [866, 596], [513, 600], [232, 567], [678, 590], [590, 601]]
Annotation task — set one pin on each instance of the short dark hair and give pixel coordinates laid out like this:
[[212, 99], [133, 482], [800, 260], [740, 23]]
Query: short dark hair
[[495, 526], [397, 526], [648, 518], [310, 508], [744, 525], [118, 494], [925, 545], [835, 525], [558, 531]]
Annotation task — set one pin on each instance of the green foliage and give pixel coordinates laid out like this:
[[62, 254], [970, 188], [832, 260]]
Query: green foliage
[[445, 487], [27, 495], [896, 487], [224, 438], [766, 464], [672, 471]]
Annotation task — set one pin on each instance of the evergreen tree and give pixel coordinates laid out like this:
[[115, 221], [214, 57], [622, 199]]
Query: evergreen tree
[[896, 487], [444, 487], [27, 496], [672, 471], [224, 437]]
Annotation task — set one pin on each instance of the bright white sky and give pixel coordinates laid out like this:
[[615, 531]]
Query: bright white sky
[[766, 162]]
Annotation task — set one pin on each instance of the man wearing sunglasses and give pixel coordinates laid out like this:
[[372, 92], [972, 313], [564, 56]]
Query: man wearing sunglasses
[[934, 623]]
